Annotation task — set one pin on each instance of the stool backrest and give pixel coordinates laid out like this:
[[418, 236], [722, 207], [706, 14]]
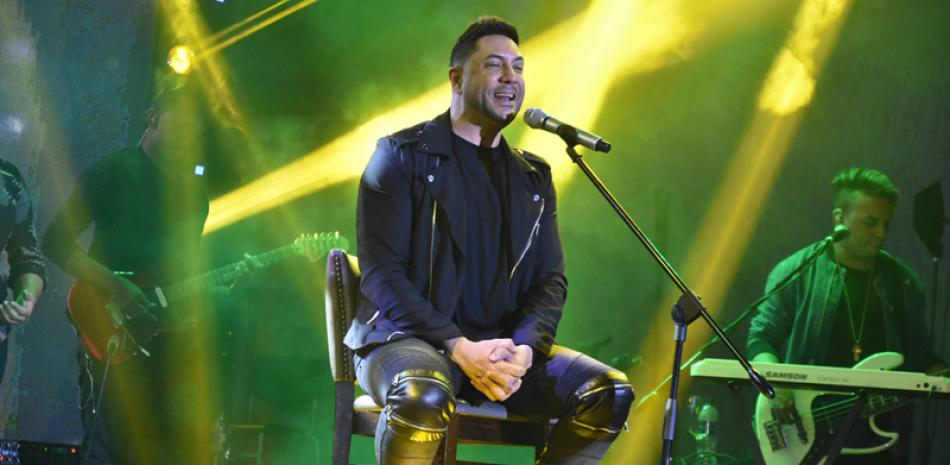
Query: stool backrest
[[342, 297]]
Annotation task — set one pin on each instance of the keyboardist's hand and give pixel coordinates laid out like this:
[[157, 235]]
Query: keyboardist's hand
[[783, 406]]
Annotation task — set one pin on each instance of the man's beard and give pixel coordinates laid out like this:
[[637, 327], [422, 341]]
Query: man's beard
[[504, 119]]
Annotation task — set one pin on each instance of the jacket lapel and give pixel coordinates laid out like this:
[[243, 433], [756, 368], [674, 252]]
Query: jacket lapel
[[524, 203], [443, 178], [445, 184]]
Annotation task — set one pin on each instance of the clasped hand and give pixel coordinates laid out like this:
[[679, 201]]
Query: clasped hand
[[495, 366]]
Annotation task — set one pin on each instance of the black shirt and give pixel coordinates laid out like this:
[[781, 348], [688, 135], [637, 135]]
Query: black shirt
[[862, 295], [142, 216], [17, 232], [484, 306]]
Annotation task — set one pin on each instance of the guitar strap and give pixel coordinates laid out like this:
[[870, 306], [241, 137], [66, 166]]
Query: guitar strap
[[837, 443], [111, 350]]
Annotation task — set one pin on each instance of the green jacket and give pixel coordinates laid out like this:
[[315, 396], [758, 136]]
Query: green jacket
[[796, 322]]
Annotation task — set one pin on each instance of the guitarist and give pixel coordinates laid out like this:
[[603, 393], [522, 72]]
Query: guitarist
[[18, 239], [145, 206], [854, 301]]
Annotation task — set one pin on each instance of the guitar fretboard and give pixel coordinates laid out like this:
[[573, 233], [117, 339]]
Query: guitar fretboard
[[317, 244], [225, 274]]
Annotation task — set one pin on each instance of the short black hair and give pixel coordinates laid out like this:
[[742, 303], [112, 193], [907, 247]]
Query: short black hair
[[484, 26], [867, 181]]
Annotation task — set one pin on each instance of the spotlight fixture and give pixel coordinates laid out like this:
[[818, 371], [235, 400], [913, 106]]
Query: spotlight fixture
[[181, 59]]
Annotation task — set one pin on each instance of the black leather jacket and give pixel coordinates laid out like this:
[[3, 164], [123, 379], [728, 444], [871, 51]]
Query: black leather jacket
[[411, 229]]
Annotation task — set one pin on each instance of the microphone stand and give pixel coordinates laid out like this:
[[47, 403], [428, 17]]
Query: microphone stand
[[687, 309], [819, 249]]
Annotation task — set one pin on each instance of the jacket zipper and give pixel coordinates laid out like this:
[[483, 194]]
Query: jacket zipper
[[534, 232], [435, 205]]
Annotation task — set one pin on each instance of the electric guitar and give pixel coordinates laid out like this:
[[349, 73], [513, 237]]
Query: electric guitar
[[820, 415], [113, 334]]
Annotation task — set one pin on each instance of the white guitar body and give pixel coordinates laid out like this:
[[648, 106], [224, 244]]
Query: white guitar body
[[792, 444]]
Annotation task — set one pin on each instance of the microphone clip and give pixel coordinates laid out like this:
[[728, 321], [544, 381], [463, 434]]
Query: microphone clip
[[568, 134]]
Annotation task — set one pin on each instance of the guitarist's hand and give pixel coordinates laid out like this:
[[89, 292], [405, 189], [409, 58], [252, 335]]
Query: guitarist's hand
[[17, 311], [130, 297], [783, 406]]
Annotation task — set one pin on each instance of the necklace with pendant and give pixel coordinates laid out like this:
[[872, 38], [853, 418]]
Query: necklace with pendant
[[857, 334]]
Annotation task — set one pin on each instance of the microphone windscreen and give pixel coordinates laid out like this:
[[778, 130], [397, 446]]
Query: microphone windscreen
[[534, 117], [841, 232]]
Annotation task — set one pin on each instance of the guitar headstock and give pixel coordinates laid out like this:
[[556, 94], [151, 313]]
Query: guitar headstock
[[315, 245]]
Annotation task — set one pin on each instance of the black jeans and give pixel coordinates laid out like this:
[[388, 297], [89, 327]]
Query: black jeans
[[550, 389], [161, 408], [153, 411]]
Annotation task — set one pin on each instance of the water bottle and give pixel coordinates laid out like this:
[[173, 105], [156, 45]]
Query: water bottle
[[707, 434]]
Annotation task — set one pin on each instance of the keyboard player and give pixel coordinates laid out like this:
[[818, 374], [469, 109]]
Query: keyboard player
[[853, 301]]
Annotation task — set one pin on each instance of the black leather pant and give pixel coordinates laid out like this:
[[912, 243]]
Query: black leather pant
[[417, 386]]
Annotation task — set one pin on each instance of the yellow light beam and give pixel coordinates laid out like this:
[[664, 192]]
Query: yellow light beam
[[558, 60], [217, 35], [251, 30], [189, 28], [611, 37], [24, 93], [340, 160], [736, 208]]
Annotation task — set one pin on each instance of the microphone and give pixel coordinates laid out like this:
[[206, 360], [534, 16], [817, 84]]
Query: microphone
[[840, 232], [538, 119]]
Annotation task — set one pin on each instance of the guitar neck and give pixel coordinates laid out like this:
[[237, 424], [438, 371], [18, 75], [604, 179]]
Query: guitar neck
[[225, 274]]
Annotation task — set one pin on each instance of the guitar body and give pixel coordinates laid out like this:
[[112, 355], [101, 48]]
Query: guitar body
[[99, 321], [806, 442]]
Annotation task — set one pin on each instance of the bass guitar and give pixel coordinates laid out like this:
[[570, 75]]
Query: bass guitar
[[820, 415]]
